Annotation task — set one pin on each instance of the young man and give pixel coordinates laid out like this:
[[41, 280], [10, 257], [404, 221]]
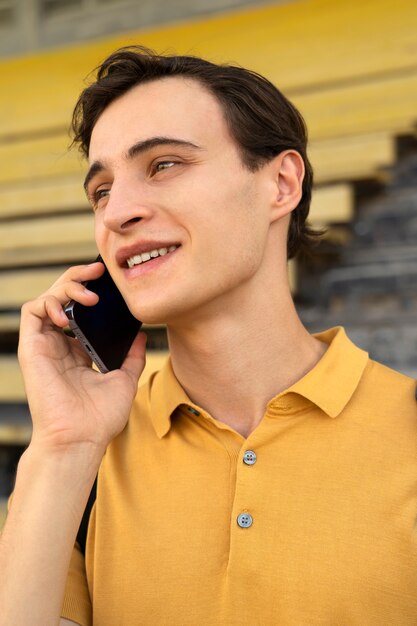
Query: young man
[[264, 476]]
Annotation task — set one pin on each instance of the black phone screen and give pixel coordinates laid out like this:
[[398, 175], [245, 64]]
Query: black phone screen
[[107, 329]]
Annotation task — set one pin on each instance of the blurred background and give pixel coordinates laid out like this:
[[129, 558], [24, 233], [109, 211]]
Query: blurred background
[[351, 68]]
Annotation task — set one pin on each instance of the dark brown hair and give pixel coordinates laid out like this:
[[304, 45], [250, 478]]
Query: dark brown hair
[[261, 120]]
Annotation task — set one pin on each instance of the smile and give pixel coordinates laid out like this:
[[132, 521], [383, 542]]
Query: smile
[[147, 256]]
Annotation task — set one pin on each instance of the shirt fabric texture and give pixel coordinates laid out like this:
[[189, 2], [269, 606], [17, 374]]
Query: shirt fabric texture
[[331, 494]]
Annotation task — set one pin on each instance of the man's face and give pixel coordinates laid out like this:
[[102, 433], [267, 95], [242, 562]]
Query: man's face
[[167, 179]]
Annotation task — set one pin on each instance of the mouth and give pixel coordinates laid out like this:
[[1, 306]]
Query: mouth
[[144, 257]]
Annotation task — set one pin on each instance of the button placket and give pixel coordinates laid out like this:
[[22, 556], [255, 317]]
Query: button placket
[[245, 520]]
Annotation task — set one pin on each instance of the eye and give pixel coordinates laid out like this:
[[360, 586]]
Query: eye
[[163, 165], [98, 195]]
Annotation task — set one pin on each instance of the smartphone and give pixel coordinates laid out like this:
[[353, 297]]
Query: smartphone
[[107, 329]]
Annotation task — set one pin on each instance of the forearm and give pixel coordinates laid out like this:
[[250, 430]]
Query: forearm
[[76, 412], [36, 544]]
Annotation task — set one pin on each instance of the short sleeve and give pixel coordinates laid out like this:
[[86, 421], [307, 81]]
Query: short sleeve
[[77, 603]]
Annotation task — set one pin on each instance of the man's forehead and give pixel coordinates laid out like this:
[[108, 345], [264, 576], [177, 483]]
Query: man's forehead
[[172, 106]]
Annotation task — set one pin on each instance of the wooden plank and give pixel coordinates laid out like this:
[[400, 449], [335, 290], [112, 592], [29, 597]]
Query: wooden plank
[[67, 238], [331, 205], [69, 253], [383, 106], [15, 434], [11, 382], [56, 195], [46, 156], [34, 167], [382, 40], [352, 158], [16, 287], [9, 322]]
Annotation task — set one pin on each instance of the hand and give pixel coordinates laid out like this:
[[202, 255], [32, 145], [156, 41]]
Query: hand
[[70, 402]]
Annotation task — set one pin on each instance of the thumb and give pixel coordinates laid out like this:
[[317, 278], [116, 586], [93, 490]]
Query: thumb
[[135, 360]]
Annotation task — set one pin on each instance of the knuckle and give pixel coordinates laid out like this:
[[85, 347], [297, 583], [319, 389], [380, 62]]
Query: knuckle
[[69, 275], [50, 301], [74, 272], [26, 307]]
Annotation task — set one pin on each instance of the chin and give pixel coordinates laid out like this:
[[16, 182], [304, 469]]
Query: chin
[[172, 314], [154, 314]]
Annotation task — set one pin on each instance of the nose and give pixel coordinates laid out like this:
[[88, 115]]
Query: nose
[[126, 206]]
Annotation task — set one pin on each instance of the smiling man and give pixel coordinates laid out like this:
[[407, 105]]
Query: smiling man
[[264, 475]]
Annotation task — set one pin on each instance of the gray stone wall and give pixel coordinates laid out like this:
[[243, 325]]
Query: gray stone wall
[[370, 287]]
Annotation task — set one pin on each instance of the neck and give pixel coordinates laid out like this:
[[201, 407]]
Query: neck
[[232, 363]]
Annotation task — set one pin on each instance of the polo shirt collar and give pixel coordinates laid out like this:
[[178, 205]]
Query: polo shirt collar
[[329, 385], [165, 396], [332, 382]]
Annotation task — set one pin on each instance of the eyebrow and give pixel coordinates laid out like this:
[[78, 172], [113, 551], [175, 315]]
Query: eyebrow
[[139, 148]]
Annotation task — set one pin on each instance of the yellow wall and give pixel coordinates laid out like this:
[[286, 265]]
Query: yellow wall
[[299, 46]]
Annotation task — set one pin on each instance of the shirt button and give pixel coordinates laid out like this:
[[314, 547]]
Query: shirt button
[[249, 457], [244, 520]]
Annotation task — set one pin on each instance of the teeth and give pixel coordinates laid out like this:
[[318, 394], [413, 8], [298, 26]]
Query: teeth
[[147, 256]]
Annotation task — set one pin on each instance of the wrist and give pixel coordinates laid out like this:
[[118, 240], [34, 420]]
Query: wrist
[[76, 464]]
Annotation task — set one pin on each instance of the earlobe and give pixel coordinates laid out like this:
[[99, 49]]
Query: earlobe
[[289, 174]]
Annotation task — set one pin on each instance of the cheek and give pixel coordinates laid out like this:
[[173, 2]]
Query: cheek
[[248, 223], [237, 233], [248, 254], [98, 228], [100, 233]]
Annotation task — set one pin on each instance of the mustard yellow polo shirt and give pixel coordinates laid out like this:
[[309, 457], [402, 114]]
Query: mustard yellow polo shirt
[[309, 521]]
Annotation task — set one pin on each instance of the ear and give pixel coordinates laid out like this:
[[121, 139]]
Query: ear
[[287, 169]]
